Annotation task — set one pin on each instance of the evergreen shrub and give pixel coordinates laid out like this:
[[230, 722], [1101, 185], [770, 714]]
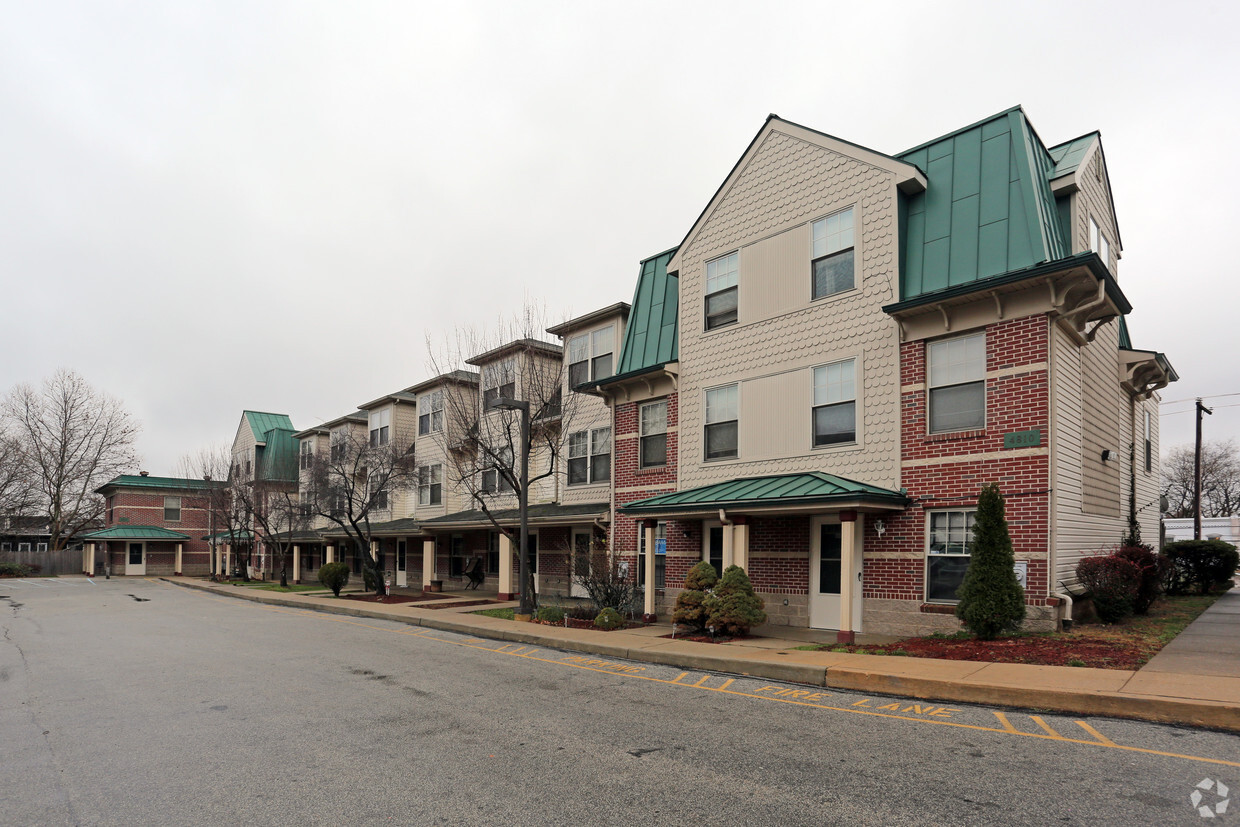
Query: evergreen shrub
[[733, 608], [991, 599], [1199, 564], [609, 619], [1151, 575], [550, 614], [334, 576], [690, 610]]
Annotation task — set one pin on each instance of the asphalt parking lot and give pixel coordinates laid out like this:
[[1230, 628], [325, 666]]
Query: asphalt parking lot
[[130, 701]]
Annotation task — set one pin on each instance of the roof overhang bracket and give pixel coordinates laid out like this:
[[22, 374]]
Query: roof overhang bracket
[[947, 319], [994, 294]]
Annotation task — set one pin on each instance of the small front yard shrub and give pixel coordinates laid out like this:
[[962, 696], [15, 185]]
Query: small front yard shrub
[[1114, 583], [1148, 564], [690, 610], [550, 614], [334, 576], [733, 608], [14, 570], [609, 619], [991, 599], [1199, 564]]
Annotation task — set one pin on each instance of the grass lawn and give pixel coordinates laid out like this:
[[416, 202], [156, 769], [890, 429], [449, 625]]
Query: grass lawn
[[502, 614], [276, 587], [1126, 645]]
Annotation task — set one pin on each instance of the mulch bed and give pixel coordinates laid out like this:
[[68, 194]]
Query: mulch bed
[[579, 623], [463, 604], [704, 638], [378, 598], [1057, 650]]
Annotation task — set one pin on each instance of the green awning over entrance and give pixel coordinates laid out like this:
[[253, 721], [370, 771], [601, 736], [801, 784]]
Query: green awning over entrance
[[773, 492], [135, 532]]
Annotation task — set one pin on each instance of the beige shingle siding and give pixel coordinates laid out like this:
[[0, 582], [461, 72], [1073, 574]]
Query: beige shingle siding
[[787, 183]]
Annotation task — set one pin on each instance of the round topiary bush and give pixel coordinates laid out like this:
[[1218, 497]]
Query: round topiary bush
[[550, 614], [733, 608], [991, 599], [690, 610], [1113, 582], [334, 576], [609, 619], [1151, 576]]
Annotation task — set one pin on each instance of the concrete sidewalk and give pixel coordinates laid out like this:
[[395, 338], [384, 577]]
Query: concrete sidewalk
[[1195, 680]]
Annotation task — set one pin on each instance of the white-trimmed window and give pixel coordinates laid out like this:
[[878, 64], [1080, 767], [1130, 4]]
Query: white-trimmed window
[[430, 413], [722, 277], [1098, 243], [6, 546], [652, 448], [590, 356], [430, 484], [947, 558], [833, 261], [722, 422], [40, 547], [660, 558], [1149, 443], [380, 427], [172, 509], [494, 482], [23, 546], [957, 382], [339, 442], [307, 453], [499, 381], [377, 495], [589, 456], [835, 403]]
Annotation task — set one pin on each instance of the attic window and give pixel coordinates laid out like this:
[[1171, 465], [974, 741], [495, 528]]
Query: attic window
[[1098, 243]]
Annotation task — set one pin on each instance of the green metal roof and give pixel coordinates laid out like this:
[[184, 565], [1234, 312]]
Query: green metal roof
[[1068, 155], [814, 487], [277, 461], [135, 532], [987, 208], [1125, 340], [230, 536], [261, 423], [650, 337], [163, 483]]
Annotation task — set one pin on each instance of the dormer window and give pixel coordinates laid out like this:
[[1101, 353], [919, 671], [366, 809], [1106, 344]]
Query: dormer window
[[589, 356], [380, 424], [430, 418]]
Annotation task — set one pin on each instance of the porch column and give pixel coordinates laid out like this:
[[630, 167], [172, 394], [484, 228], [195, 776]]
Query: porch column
[[331, 553], [729, 547], [90, 561], [428, 563], [648, 526], [849, 539], [374, 552], [740, 543], [177, 568], [296, 564], [507, 590], [228, 559]]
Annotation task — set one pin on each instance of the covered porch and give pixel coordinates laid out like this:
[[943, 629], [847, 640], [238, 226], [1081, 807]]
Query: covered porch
[[800, 538], [134, 550]]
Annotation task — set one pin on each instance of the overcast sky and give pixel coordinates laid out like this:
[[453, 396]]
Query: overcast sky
[[207, 207]]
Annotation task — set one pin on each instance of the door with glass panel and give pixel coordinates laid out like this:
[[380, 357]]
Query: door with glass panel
[[401, 558], [826, 567], [712, 546], [135, 559], [580, 563]]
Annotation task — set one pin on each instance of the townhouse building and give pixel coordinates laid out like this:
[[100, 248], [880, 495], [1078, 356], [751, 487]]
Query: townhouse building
[[152, 526], [846, 345]]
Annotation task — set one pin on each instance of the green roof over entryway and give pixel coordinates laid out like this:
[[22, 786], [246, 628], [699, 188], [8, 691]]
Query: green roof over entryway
[[777, 491], [135, 532]]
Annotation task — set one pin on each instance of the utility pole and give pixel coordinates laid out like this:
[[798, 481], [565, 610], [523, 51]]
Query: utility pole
[[1197, 472]]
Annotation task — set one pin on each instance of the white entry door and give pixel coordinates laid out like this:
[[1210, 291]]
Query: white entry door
[[401, 561], [580, 563], [825, 573], [135, 559]]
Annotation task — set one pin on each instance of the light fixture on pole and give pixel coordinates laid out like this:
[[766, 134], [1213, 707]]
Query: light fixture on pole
[[523, 503]]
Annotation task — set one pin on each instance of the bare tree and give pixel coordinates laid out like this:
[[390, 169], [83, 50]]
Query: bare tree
[[278, 516], [231, 516], [16, 492], [483, 442], [1220, 480], [354, 480], [75, 438]]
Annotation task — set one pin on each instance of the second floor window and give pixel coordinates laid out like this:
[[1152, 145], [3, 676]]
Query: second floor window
[[589, 456], [379, 498], [835, 403], [493, 480], [833, 254], [307, 453], [340, 444], [430, 484], [957, 382], [500, 382], [722, 277], [172, 509], [590, 356], [380, 424], [653, 435], [430, 413], [722, 421]]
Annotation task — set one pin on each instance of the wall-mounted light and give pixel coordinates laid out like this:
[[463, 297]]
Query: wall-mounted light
[[1107, 454], [880, 528]]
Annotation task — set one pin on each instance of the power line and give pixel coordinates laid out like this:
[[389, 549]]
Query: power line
[[1195, 398], [1190, 410]]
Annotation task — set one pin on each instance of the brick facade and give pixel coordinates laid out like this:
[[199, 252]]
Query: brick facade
[[146, 508]]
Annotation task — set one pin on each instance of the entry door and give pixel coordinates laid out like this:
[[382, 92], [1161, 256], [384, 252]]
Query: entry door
[[401, 551], [713, 551], [135, 560], [580, 563], [825, 571]]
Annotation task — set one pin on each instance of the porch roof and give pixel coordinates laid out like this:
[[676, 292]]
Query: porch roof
[[777, 492], [230, 537], [135, 532], [404, 527], [540, 514]]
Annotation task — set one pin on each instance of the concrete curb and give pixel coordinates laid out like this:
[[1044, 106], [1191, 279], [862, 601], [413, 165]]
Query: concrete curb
[[851, 676]]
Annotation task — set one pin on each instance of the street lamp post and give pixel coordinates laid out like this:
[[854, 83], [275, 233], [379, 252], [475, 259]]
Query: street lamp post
[[523, 501]]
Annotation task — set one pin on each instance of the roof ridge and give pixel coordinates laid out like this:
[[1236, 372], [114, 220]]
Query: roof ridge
[[955, 132]]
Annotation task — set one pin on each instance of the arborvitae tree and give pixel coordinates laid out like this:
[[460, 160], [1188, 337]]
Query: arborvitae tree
[[991, 599], [733, 608], [690, 610]]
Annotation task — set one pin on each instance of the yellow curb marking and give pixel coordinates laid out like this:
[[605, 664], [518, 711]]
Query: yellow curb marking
[[1007, 725], [1049, 731], [1102, 741], [728, 683]]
